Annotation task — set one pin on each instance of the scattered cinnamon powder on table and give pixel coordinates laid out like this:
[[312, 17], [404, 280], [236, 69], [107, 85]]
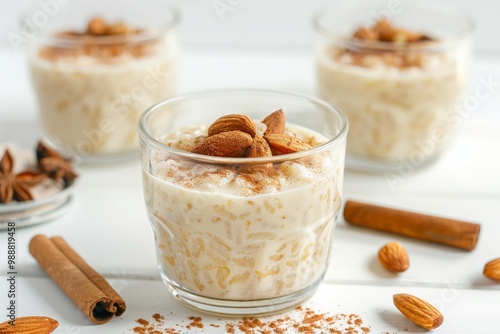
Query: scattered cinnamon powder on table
[[301, 320], [195, 322]]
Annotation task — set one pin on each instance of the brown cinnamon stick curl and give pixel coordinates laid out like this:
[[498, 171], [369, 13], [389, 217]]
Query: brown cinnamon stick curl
[[83, 285], [444, 231]]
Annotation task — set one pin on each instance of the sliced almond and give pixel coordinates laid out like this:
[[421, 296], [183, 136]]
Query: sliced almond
[[29, 325], [275, 122], [394, 257], [233, 122], [285, 143], [225, 144], [492, 269], [418, 311]]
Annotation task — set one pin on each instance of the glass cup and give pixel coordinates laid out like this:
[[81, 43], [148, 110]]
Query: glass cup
[[93, 80], [232, 238], [402, 99]]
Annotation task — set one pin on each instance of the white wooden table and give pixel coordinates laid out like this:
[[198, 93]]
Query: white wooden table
[[108, 227]]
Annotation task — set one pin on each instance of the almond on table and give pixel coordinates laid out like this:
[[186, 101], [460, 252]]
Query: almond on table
[[29, 325], [492, 269], [394, 257], [418, 311]]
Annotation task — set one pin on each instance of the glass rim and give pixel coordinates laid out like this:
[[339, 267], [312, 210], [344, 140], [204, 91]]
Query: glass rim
[[144, 35], [144, 134], [445, 9]]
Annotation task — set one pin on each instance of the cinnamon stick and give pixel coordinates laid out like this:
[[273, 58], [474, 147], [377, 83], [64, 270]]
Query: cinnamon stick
[[83, 285], [440, 230]]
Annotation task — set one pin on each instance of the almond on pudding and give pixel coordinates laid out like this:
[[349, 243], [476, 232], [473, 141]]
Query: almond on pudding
[[93, 85]]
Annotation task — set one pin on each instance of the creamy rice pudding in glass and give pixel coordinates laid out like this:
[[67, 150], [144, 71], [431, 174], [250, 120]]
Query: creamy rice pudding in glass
[[399, 74], [96, 66], [243, 189]]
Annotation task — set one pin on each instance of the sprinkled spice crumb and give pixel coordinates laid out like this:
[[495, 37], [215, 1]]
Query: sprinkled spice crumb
[[195, 322], [158, 317], [301, 320], [142, 322]]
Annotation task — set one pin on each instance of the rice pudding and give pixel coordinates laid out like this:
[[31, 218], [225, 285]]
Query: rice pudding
[[92, 86], [401, 91], [244, 232]]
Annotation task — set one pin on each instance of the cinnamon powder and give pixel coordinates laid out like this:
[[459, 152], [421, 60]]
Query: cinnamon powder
[[301, 320]]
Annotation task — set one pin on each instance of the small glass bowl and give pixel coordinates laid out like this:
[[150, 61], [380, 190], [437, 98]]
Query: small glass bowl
[[402, 99], [92, 89], [224, 244]]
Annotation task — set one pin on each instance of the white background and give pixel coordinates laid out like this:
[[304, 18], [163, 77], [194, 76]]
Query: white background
[[264, 23]]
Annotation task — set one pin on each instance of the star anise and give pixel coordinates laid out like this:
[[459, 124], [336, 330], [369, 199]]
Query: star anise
[[55, 165], [18, 186]]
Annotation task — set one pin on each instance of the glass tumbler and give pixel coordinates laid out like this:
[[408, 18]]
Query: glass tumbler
[[96, 65], [403, 100], [233, 238]]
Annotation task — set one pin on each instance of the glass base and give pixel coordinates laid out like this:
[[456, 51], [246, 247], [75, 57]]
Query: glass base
[[367, 164], [237, 308]]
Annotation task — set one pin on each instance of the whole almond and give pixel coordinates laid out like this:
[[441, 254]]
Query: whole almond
[[418, 311], [259, 148], [391, 34], [275, 122], [492, 269], [97, 27], [285, 143], [393, 257], [29, 325], [225, 144], [118, 29], [233, 122], [382, 24], [366, 33]]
